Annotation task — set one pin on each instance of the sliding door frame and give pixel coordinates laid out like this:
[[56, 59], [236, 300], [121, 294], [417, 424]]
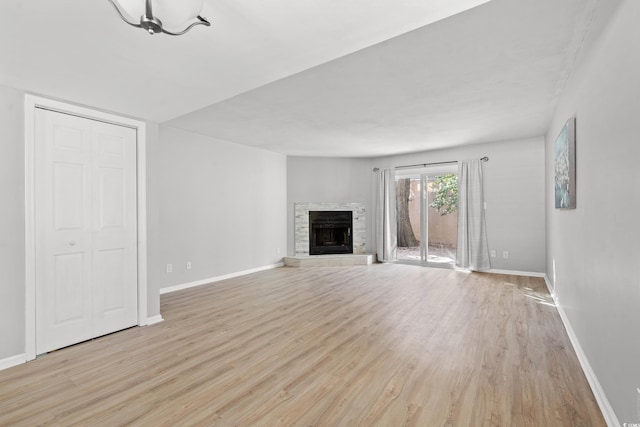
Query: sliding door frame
[[423, 173]]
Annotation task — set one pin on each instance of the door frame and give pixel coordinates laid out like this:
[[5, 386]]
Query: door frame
[[30, 104]]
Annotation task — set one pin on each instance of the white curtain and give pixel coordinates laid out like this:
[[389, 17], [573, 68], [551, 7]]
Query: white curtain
[[386, 226], [472, 250]]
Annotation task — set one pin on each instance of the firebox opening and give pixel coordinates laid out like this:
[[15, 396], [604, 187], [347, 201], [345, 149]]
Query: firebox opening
[[330, 232]]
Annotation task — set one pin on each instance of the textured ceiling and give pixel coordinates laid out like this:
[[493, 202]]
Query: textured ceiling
[[489, 74], [305, 77], [81, 51]]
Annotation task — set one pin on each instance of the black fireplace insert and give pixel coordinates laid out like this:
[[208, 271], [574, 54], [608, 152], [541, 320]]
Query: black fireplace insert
[[330, 232]]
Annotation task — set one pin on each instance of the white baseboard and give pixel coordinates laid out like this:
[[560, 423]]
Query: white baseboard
[[12, 361], [515, 272], [551, 290], [174, 288], [605, 407], [154, 319]]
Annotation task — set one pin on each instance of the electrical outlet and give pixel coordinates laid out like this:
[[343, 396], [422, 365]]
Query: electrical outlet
[[638, 405], [278, 251], [169, 268], [505, 254], [188, 265], [493, 253]]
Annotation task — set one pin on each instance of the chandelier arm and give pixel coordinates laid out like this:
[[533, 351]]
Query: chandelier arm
[[200, 21], [133, 24]]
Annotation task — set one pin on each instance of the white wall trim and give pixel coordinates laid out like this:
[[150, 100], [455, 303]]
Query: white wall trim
[[605, 407], [550, 289], [32, 102], [12, 361], [154, 319], [515, 273], [175, 288]]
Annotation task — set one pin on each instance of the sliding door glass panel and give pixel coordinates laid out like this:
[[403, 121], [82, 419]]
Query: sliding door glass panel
[[442, 216], [427, 216], [408, 214]]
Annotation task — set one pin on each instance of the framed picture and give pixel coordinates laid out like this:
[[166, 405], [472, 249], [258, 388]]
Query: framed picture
[[565, 153]]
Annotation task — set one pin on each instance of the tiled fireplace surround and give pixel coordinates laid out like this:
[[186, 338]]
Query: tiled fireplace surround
[[302, 224]]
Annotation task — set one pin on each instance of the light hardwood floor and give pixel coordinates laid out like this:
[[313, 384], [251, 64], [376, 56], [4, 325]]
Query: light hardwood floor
[[380, 345]]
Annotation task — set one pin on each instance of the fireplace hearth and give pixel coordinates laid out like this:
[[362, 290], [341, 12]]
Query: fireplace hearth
[[330, 232]]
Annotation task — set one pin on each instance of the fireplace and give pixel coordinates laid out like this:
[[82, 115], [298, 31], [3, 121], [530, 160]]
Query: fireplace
[[330, 232]]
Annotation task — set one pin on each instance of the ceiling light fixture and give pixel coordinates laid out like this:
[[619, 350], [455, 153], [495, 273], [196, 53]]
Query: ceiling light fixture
[[175, 14]]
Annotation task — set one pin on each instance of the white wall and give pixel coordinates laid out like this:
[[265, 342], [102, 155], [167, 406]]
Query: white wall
[[327, 180], [221, 206], [593, 252], [514, 192], [12, 261]]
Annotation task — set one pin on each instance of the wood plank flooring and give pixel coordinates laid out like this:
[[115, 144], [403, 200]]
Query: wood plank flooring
[[380, 345]]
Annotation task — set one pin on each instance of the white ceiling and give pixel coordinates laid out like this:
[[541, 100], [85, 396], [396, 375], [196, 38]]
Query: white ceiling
[[311, 77]]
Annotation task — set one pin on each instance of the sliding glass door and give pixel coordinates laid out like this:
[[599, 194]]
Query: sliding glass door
[[427, 215]]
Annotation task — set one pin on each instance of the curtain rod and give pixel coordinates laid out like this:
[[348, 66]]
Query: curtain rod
[[424, 165]]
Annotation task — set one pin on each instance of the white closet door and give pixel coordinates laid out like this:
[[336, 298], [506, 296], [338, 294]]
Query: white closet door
[[85, 211], [115, 275]]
